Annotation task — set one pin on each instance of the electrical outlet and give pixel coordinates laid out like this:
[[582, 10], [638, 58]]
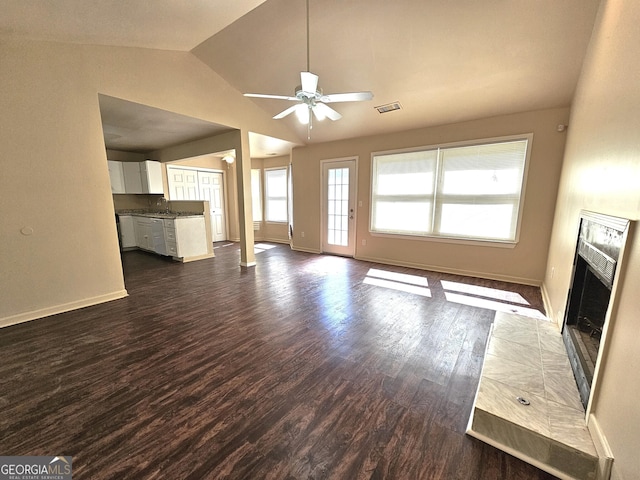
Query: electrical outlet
[[553, 271], [302, 234], [364, 242]]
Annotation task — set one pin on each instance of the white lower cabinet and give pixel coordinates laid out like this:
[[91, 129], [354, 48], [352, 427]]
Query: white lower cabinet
[[191, 237], [144, 237], [157, 235], [170, 237], [180, 238], [127, 232]]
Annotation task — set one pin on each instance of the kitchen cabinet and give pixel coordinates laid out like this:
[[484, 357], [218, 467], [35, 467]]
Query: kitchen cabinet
[[132, 177], [127, 232], [144, 236], [116, 176], [183, 238], [191, 237], [170, 237], [136, 177], [151, 176], [157, 235]]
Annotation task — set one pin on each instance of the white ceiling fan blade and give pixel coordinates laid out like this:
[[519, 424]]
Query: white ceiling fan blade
[[264, 95], [347, 97], [322, 111], [286, 112], [309, 82]]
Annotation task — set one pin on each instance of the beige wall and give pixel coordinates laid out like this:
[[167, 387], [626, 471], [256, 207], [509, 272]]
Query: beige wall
[[524, 263], [60, 246], [602, 173]]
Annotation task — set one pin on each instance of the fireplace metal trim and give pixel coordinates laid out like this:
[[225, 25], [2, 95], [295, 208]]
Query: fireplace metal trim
[[603, 265], [600, 244]]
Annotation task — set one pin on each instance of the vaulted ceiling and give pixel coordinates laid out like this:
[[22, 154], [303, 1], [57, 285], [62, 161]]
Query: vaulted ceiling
[[444, 61]]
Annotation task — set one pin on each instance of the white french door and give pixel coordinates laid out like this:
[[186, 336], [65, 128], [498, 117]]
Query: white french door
[[338, 207], [183, 183], [194, 184], [211, 189]]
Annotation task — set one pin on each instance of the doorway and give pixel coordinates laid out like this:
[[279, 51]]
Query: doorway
[[338, 206], [199, 184], [212, 190]]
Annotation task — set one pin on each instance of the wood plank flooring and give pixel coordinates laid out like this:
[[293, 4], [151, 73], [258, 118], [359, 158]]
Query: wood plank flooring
[[293, 369]]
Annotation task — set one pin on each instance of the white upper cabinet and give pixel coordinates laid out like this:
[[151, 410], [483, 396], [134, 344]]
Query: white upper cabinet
[[151, 173], [116, 176], [132, 177], [136, 177]]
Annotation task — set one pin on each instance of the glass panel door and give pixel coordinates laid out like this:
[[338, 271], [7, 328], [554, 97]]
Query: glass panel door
[[339, 207]]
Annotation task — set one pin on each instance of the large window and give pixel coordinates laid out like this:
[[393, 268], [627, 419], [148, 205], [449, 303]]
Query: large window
[[466, 192], [275, 193], [256, 195]]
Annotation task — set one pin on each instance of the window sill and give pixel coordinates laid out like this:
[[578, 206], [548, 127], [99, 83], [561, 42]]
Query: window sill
[[452, 240]]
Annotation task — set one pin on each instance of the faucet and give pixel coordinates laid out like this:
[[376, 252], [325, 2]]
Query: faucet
[[163, 201]]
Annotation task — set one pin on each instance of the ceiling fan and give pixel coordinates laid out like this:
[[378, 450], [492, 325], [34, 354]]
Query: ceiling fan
[[311, 99]]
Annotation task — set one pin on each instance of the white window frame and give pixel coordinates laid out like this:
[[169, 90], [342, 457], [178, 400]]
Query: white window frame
[[267, 197], [431, 236]]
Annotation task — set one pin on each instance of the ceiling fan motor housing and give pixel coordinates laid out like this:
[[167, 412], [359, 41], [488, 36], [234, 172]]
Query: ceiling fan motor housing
[[309, 98]]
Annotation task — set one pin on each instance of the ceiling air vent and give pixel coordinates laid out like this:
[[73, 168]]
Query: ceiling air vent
[[389, 107]]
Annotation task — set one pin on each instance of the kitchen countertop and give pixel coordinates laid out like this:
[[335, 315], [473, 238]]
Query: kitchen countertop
[[139, 213]]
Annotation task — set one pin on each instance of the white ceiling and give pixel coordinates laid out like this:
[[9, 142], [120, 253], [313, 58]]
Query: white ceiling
[[162, 24], [444, 61]]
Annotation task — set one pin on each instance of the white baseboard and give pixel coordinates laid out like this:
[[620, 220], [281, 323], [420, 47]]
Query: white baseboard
[[65, 307], [548, 308], [602, 447], [193, 259], [274, 240], [303, 249]]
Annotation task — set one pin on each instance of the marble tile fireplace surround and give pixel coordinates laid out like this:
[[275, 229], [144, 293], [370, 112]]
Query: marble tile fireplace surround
[[533, 399]]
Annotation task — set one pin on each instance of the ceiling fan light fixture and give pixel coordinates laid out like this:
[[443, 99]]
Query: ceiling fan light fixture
[[319, 113], [312, 98], [302, 112]]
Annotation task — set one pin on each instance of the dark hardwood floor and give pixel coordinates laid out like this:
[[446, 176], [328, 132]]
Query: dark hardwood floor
[[293, 369]]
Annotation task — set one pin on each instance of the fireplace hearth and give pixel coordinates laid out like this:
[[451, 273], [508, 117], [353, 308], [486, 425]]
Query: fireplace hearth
[[600, 243]]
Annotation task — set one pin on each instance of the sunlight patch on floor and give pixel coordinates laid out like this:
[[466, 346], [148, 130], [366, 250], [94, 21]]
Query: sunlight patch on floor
[[494, 293], [225, 245], [398, 281], [403, 287], [261, 247], [493, 305], [398, 277]]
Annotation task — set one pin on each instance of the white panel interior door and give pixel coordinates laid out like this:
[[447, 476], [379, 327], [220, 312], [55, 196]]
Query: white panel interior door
[[211, 189], [183, 184], [338, 207]]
